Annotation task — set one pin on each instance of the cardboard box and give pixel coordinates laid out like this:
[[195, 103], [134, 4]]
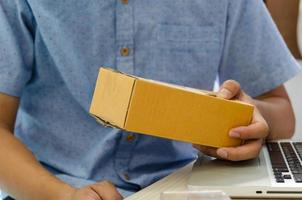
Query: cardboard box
[[165, 110]]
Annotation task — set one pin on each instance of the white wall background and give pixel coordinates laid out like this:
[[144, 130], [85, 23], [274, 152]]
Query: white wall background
[[294, 88]]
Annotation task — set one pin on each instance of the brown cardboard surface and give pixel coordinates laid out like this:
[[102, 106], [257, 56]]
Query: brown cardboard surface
[[164, 110], [112, 96]]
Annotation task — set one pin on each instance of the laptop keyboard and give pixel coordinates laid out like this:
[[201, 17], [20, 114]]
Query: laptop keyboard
[[287, 164]]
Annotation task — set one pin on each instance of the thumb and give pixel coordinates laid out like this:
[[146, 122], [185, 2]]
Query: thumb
[[229, 89]]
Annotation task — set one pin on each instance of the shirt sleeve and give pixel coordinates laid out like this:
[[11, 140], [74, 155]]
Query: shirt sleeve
[[16, 46], [254, 52]]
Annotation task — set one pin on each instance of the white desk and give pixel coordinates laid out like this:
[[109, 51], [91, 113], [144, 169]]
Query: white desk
[[174, 182], [294, 88]]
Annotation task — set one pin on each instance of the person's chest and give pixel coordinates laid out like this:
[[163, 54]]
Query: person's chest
[[178, 41]]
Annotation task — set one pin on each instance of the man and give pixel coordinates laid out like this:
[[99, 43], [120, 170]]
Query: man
[[49, 58]]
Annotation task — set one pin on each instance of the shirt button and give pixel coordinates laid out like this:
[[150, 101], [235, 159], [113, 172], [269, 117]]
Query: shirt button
[[126, 176], [125, 1], [130, 137], [125, 51]]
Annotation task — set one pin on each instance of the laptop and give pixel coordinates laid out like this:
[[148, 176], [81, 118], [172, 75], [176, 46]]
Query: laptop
[[276, 173]]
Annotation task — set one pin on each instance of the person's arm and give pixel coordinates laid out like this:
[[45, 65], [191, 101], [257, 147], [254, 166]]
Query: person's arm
[[276, 108], [24, 178], [260, 61], [273, 119], [21, 175]]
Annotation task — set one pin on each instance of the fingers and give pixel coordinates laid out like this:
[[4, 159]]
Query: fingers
[[242, 96], [256, 130], [253, 134], [229, 89], [247, 151], [106, 191], [253, 131]]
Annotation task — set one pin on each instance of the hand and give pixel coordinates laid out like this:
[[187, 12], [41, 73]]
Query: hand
[[98, 191], [253, 135]]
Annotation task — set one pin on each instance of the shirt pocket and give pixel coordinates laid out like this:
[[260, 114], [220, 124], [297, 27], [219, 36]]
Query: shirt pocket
[[187, 33], [194, 50]]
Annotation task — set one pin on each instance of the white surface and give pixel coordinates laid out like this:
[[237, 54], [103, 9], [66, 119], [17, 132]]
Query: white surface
[[195, 195], [174, 182], [294, 88]]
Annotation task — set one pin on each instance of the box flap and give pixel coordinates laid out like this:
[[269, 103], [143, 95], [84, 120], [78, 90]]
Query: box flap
[[111, 97]]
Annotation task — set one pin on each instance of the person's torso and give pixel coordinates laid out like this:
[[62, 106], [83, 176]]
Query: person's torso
[[177, 41]]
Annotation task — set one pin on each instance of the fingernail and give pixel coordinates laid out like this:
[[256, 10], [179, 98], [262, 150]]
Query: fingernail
[[224, 93], [222, 153], [234, 134]]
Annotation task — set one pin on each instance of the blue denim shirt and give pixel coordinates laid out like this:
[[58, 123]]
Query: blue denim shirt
[[51, 50]]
